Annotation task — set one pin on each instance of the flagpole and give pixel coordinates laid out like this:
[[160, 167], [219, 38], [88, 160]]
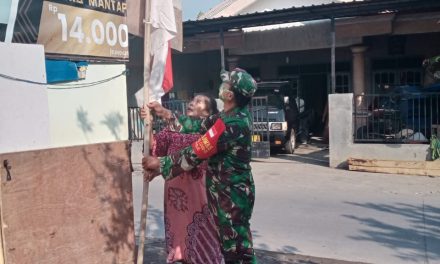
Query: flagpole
[[147, 128]]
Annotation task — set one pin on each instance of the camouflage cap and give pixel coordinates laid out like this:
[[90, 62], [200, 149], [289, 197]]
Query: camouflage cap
[[241, 81]]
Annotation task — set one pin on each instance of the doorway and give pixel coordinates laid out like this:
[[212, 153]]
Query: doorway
[[313, 89]]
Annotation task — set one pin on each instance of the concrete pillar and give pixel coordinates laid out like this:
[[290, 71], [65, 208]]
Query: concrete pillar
[[359, 73], [358, 69], [340, 117]]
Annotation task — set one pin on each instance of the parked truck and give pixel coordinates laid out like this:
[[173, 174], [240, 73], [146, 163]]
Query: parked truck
[[276, 116]]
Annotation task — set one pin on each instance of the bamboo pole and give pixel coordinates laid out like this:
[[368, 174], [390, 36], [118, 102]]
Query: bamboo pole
[[147, 129]]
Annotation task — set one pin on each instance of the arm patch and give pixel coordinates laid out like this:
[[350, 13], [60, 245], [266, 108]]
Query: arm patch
[[206, 146]]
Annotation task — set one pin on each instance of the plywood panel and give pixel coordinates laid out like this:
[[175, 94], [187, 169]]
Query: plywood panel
[[68, 205]]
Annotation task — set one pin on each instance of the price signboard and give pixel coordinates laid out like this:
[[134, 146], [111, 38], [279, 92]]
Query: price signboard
[[77, 28]]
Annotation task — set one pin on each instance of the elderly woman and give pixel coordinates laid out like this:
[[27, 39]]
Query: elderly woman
[[227, 147], [190, 230]]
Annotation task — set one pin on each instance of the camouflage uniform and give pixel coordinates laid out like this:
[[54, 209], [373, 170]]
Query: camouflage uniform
[[229, 182]]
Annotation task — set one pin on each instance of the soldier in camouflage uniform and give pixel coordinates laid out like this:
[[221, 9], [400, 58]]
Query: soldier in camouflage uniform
[[227, 146]]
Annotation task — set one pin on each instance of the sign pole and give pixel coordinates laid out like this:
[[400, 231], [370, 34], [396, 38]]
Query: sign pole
[[147, 129]]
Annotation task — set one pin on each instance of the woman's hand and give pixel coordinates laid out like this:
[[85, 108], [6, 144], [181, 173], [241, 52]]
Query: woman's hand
[[144, 113], [151, 166], [159, 110], [150, 175], [151, 163]]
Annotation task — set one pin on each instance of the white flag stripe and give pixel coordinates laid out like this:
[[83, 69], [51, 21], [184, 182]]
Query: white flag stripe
[[163, 29], [157, 74]]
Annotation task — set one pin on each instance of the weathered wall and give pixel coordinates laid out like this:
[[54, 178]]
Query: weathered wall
[[341, 138], [24, 111], [92, 114], [35, 117]]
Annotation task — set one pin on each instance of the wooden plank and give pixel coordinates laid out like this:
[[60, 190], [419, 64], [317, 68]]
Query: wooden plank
[[435, 165], [424, 168], [68, 205], [405, 171]]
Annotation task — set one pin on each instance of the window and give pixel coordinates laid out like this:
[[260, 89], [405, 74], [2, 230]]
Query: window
[[410, 77], [343, 83], [384, 80]]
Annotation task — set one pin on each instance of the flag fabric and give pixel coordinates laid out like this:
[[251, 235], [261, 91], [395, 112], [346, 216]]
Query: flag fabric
[[136, 16], [168, 82], [163, 30]]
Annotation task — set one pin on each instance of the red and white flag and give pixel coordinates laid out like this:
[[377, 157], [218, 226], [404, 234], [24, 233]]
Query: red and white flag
[[163, 30], [168, 82]]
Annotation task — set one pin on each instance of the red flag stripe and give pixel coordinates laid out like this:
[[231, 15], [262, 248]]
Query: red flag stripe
[[168, 83]]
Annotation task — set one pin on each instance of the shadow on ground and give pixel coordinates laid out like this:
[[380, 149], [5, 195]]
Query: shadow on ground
[[155, 254], [417, 242], [313, 153], [155, 225], [317, 157], [266, 247]]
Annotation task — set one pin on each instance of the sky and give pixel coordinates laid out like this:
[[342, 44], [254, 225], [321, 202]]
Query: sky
[[5, 5], [191, 8]]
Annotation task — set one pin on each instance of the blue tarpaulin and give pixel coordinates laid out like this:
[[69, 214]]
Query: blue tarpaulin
[[63, 71]]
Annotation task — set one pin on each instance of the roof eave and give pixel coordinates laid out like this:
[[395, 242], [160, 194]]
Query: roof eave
[[308, 13]]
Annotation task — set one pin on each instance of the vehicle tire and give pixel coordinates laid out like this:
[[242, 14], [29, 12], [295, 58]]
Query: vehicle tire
[[291, 142]]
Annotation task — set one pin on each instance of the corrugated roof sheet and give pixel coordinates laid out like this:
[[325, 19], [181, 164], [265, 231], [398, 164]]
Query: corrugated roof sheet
[[308, 13], [216, 9]]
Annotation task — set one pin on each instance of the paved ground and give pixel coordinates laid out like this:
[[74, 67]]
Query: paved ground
[[304, 208], [155, 254]]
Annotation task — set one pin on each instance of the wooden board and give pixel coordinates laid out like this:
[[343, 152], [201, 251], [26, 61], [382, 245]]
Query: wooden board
[[424, 168], [68, 205]]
